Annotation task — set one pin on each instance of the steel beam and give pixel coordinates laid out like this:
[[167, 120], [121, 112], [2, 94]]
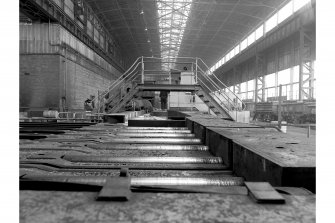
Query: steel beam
[[306, 66]]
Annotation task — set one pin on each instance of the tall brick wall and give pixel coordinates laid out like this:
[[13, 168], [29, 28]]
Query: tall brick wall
[[39, 81], [82, 82], [53, 66], [42, 81]]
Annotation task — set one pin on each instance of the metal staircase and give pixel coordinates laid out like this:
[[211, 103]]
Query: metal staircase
[[210, 89], [124, 100]]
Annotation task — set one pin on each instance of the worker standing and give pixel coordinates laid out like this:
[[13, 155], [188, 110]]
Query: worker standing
[[89, 103]]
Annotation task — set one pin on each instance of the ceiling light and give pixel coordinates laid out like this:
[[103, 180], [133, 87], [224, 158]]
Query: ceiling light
[[146, 29], [148, 41], [141, 13]]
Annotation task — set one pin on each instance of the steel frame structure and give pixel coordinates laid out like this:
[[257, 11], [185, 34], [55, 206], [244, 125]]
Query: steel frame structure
[[259, 93], [306, 66], [172, 17], [48, 10]]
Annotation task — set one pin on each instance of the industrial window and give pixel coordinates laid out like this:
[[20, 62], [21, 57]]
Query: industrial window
[[237, 89], [271, 23], [284, 76], [243, 87], [270, 80], [251, 38], [237, 49], [314, 67], [298, 4], [296, 73], [259, 32], [223, 60], [285, 12], [250, 95], [295, 92], [244, 44], [220, 63], [251, 85], [284, 90], [227, 57], [270, 92], [232, 53]]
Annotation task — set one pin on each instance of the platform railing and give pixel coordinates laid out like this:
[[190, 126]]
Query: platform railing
[[115, 89], [209, 82], [238, 104]]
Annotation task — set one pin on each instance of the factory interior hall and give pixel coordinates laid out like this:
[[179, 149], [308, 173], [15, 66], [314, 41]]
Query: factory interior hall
[[167, 111]]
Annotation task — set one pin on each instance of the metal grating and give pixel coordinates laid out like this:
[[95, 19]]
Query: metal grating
[[172, 22]]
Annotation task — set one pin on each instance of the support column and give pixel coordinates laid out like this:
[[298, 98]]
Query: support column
[[142, 71], [259, 94], [276, 73], [196, 70], [306, 66], [290, 96]]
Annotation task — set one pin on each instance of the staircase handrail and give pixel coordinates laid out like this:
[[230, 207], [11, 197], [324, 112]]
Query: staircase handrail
[[220, 90], [110, 88], [217, 88], [119, 79], [225, 107], [126, 95], [132, 75], [212, 74], [230, 102]]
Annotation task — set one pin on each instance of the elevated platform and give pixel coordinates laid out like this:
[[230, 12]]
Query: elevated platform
[[257, 153], [168, 87]]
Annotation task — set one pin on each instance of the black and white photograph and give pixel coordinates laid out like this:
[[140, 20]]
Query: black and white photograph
[[167, 111]]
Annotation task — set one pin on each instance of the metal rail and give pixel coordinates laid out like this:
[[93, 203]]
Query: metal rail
[[210, 84]]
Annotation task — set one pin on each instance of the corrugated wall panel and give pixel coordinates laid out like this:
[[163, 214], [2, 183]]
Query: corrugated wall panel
[[58, 2], [42, 38], [69, 8], [96, 35], [37, 47], [89, 29]]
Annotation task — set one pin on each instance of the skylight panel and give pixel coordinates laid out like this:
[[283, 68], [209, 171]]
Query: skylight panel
[[259, 32], [244, 44], [222, 61], [172, 22], [298, 4], [285, 12], [271, 23], [237, 49], [232, 53], [251, 38]]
